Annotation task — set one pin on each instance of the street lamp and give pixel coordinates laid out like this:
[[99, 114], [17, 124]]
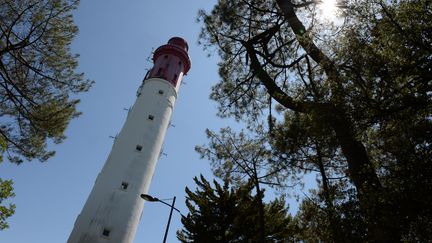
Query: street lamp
[[155, 199]]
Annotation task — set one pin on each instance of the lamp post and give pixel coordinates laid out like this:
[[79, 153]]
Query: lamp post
[[155, 199]]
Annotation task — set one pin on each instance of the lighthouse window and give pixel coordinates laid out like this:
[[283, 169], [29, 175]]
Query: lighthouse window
[[179, 63], [106, 232], [138, 147], [161, 92], [166, 56], [124, 185], [150, 117]]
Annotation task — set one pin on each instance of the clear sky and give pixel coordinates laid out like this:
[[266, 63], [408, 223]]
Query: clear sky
[[114, 41]]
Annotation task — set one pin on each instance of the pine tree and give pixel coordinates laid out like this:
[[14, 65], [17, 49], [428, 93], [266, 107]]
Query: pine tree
[[38, 81], [230, 214], [366, 89], [6, 191], [38, 78]]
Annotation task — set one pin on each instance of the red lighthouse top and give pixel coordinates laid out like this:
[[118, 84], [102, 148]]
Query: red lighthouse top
[[171, 61], [177, 41]]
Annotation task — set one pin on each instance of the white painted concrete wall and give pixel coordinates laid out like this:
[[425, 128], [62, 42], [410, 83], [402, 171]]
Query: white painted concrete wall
[[108, 205]]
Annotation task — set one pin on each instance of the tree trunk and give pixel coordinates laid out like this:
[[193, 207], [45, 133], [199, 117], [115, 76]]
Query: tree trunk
[[334, 219], [260, 205], [361, 170], [363, 175]]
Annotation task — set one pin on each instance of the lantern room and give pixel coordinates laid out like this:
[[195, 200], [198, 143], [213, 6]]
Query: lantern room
[[171, 61]]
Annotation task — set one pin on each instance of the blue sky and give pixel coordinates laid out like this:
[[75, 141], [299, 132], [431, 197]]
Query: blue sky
[[115, 40]]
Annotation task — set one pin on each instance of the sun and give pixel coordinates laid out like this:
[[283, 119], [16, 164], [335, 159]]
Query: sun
[[328, 9]]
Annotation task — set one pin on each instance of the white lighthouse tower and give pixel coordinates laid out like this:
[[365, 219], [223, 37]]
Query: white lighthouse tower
[[113, 209]]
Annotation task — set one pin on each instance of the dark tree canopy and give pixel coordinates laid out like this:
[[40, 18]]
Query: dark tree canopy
[[223, 213], [240, 159], [38, 77], [353, 104], [38, 81]]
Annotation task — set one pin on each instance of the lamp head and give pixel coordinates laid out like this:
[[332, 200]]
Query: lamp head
[[149, 198]]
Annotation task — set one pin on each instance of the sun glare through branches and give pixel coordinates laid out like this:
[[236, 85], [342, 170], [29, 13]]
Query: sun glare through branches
[[328, 9]]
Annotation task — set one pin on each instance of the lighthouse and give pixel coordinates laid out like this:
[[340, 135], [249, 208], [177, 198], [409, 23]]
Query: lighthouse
[[113, 209]]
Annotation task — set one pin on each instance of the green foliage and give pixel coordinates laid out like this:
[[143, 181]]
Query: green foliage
[[239, 157], [38, 77], [230, 214], [390, 66], [354, 105], [6, 191], [38, 81]]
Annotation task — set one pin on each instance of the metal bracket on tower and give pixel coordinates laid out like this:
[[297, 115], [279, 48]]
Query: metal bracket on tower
[[162, 153]]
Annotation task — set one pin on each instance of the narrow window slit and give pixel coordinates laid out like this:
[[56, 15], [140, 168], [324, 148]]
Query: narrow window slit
[[124, 185], [150, 117], [106, 232], [138, 147]]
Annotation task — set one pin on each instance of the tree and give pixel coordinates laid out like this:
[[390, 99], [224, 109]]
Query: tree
[[303, 149], [297, 150], [37, 76], [241, 159], [38, 81], [230, 214], [6, 191], [370, 78]]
